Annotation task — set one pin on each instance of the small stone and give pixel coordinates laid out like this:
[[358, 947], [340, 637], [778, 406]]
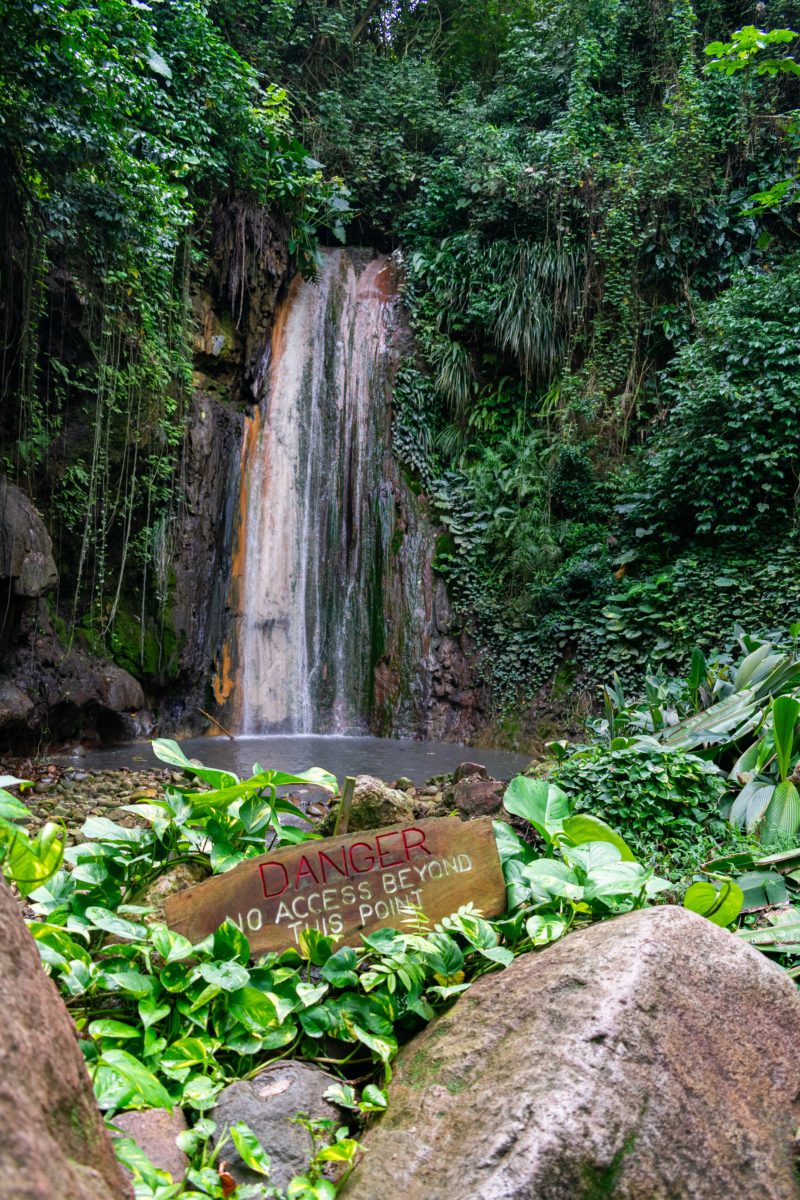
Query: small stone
[[43, 785], [404, 784], [467, 769], [267, 1104], [431, 790], [477, 797], [177, 879], [154, 1130]]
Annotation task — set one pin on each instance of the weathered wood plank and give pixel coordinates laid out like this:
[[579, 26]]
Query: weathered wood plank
[[349, 885]]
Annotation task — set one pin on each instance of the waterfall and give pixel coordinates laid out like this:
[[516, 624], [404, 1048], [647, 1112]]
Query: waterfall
[[308, 562]]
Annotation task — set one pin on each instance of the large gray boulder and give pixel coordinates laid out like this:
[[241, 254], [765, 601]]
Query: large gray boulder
[[54, 1143], [26, 551], [652, 1057]]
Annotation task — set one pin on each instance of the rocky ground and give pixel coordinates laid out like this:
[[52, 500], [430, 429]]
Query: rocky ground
[[69, 793]]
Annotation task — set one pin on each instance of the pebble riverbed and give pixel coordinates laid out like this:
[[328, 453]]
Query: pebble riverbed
[[70, 794]]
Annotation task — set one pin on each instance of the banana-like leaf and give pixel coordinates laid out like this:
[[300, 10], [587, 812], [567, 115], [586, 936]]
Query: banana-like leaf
[[783, 814], [751, 664], [751, 803], [715, 723], [745, 764], [762, 889], [785, 711]]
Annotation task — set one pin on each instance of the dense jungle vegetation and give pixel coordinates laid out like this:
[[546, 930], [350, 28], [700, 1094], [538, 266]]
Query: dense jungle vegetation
[[594, 206]]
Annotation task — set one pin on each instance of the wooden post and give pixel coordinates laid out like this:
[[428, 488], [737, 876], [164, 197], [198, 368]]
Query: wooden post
[[343, 815]]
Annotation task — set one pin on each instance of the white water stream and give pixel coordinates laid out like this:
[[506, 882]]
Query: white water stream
[[307, 569]]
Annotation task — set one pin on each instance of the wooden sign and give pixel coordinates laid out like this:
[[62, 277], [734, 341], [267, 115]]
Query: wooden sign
[[349, 885]]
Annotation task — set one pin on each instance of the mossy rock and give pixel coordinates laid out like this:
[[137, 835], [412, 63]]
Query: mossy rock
[[375, 804]]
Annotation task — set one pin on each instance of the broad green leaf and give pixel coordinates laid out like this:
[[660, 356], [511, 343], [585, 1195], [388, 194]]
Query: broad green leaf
[[591, 855], [318, 1020], [101, 829], [131, 982], [253, 1010], [384, 1047], [541, 803], [510, 845], [131, 1155], [315, 947], [343, 1150], [93, 873], [170, 752], [616, 879], [553, 878], [112, 1029], [339, 969], [231, 943], [171, 946], [229, 976], [585, 828], [720, 903], [782, 817], [200, 1091], [314, 776], [252, 1152], [342, 1094], [785, 711], [189, 1052], [30, 862], [12, 809], [498, 954], [190, 1140], [104, 919], [543, 928], [144, 1083], [374, 1099]]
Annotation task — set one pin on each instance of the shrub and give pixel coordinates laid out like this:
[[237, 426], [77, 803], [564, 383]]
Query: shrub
[[661, 800]]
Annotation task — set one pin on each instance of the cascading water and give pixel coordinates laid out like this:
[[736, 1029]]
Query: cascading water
[[307, 570]]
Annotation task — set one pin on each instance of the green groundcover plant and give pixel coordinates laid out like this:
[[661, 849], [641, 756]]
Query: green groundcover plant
[[164, 1022]]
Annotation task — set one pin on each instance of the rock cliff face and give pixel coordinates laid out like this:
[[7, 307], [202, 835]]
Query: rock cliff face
[[46, 688], [233, 314], [426, 681]]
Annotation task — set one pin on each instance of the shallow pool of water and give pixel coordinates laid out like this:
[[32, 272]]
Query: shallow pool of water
[[386, 758]]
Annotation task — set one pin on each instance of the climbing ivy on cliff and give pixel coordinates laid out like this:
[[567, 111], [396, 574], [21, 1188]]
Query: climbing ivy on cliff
[[122, 125]]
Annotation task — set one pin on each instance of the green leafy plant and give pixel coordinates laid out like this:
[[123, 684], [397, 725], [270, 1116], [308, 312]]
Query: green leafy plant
[[662, 799], [769, 801], [26, 861], [587, 872]]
